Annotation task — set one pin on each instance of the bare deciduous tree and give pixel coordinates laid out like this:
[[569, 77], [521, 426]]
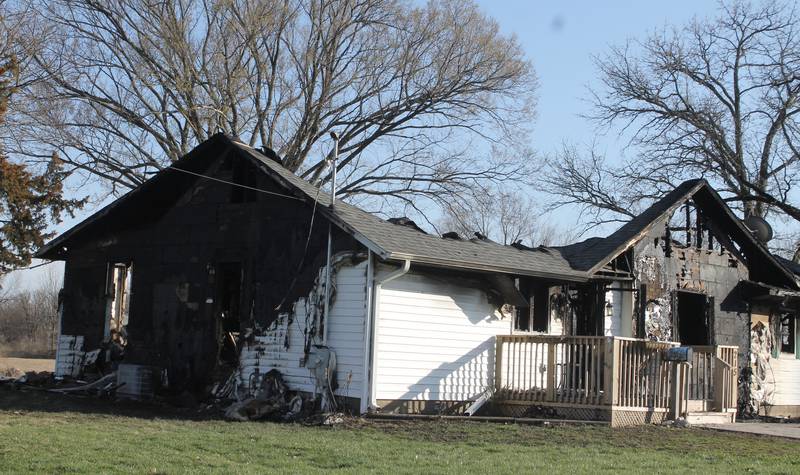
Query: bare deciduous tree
[[29, 318], [421, 96], [31, 199], [716, 98], [505, 217]]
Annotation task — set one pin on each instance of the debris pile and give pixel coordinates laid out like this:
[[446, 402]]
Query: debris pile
[[95, 385], [680, 423], [272, 400]]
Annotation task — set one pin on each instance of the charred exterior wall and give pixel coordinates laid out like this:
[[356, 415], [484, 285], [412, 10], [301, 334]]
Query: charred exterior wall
[[713, 273], [176, 256]]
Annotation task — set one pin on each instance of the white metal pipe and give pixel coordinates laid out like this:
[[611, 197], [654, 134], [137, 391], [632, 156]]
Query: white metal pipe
[[329, 262], [478, 403], [333, 168], [373, 347]]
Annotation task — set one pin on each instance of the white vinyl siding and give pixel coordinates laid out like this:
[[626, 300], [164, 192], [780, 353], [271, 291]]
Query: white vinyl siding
[[69, 356], [345, 338], [435, 340]]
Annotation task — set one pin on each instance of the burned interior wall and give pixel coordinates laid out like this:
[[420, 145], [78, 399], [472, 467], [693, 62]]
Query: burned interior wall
[[177, 253], [663, 266]]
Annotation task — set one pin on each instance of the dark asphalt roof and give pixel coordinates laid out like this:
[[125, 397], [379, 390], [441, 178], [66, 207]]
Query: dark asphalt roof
[[394, 241]]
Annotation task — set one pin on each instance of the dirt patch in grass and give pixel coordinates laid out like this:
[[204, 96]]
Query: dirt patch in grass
[[649, 436], [12, 367]]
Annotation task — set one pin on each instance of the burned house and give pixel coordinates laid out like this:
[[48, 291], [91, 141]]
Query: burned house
[[217, 264]]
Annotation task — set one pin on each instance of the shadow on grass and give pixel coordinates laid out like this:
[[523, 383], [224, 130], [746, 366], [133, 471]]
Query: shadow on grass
[[28, 399]]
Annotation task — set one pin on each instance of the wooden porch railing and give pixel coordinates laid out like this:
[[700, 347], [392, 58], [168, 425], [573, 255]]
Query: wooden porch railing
[[644, 378], [550, 368], [611, 371]]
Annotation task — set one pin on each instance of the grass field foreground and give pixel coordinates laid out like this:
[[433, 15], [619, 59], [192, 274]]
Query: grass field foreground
[[49, 436]]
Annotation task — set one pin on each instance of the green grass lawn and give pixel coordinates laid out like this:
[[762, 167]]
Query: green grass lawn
[[50, 433]]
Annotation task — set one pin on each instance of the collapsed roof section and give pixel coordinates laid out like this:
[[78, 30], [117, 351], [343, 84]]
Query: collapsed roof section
[[594, 253], [398, 240]]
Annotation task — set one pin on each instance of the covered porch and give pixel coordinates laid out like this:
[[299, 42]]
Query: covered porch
[[624, 381]]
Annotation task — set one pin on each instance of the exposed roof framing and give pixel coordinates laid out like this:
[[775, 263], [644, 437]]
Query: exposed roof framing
[[595, 253]]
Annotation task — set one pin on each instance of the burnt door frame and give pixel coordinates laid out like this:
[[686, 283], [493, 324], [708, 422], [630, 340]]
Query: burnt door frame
[[680, 324], [228, 296]]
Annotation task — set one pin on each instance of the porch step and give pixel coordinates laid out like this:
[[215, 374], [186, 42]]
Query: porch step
[[708, 417]]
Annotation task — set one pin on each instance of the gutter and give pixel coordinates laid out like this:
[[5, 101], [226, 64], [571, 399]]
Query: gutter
[[368, 398], [574, 276]]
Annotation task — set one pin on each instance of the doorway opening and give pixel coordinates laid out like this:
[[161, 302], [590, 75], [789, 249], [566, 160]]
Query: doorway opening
[[118, 293], [693, 318], [228, 299]]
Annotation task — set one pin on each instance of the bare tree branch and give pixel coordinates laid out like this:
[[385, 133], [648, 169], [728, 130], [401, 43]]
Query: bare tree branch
[[123, 87], [716, 98]]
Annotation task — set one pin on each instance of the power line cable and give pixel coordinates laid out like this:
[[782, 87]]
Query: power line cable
[[238, 184]]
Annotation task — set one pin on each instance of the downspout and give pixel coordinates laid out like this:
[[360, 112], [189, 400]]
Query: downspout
[[364, 404], [478, 403], [371, 348]]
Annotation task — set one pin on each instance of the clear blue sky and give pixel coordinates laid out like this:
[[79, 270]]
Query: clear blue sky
[[560, 38]]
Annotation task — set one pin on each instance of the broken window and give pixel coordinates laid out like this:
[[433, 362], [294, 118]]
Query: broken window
[[118, 292], [535, 317], [787, 333], [522, 317]]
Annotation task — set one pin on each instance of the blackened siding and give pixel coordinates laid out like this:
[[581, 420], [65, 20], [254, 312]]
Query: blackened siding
[[83, 299], [714, 273], [172, 321]]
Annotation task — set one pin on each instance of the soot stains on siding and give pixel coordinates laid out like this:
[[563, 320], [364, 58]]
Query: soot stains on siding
[[201, 257]]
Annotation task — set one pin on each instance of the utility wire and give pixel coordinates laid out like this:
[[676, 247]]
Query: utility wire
[[41, 264], [305, 252], [238, 184]]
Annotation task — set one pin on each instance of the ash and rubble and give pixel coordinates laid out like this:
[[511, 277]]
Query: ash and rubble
[[272, 400], [265, 397]]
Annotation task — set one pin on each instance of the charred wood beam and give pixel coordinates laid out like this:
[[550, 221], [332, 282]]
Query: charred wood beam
[[725, 241], [688, 226], [614, 275], [668, 241], [710, 239], [699, 228]]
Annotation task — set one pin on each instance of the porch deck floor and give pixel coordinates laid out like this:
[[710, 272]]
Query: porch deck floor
[[791, 431]]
